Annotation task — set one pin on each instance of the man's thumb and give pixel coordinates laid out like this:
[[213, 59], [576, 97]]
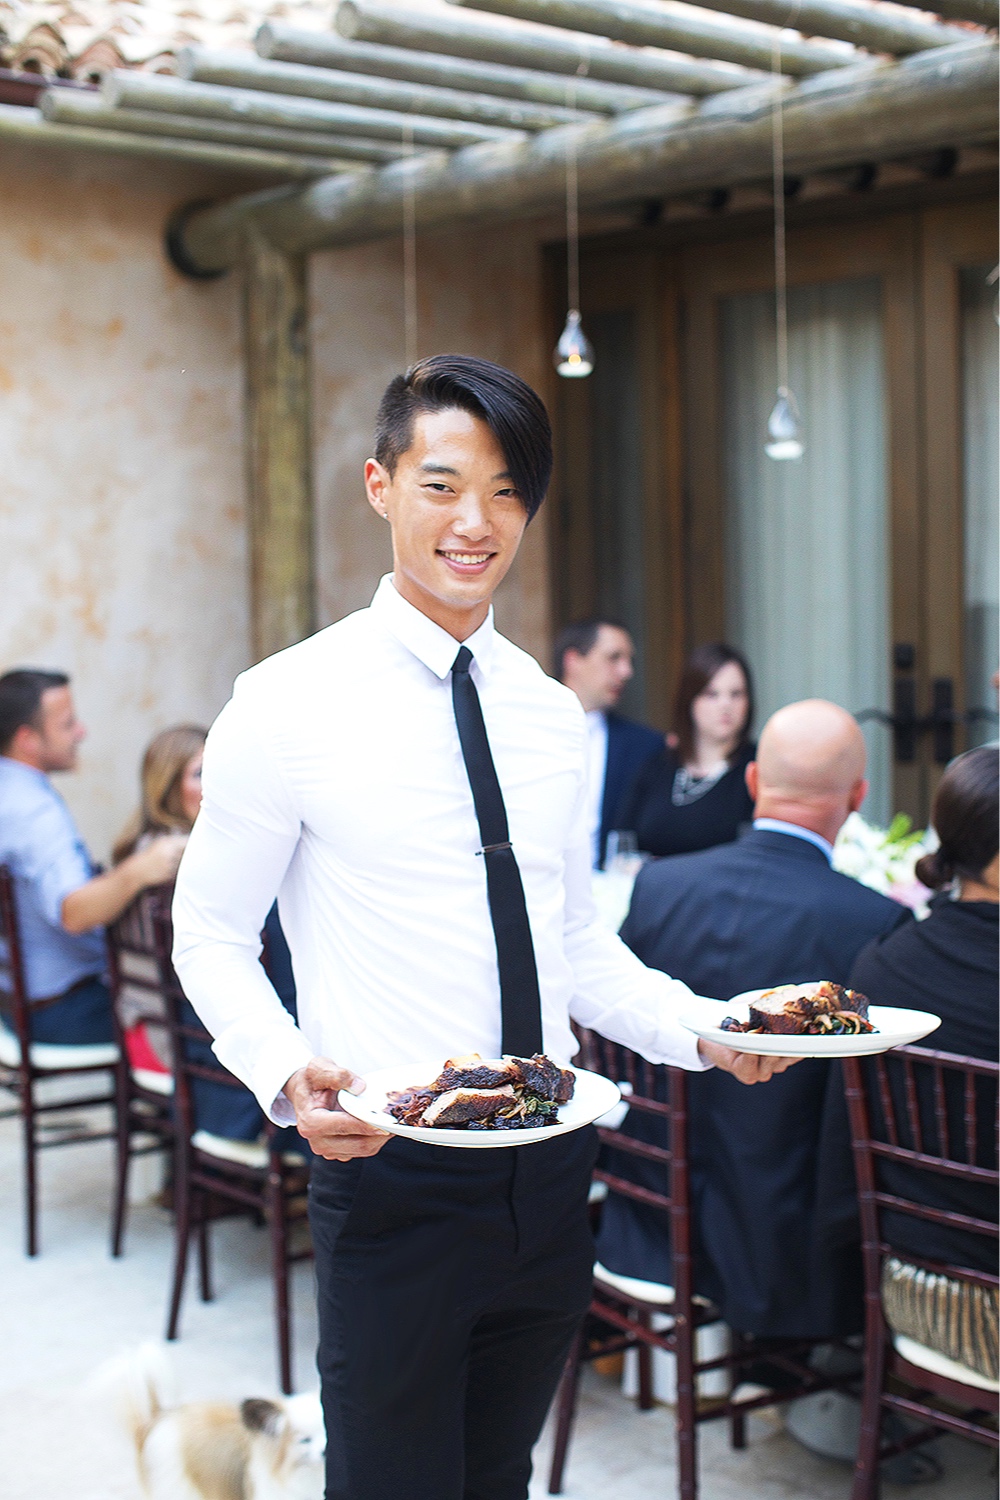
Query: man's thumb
[[325, 1074]]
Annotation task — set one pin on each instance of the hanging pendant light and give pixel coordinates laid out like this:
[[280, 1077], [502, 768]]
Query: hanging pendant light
[[574, 353], [574, 356], [784, 425]]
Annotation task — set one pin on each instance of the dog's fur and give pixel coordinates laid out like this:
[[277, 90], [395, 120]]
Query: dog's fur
[[212, 1450]]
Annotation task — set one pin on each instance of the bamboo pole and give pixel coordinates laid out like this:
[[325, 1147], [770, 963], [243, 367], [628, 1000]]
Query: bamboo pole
[[553, 52], [323, 49], [153, 91], [645, 23], [278, 447], [28, 127], [878, 28], [66, 108], [872, 112], [237, 70]]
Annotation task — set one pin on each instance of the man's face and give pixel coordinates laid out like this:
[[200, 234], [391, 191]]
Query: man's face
[[598, 679], [58, 733], [456, 518]]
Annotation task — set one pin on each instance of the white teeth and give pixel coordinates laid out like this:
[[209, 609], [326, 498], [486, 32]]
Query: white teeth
[[471, 558]]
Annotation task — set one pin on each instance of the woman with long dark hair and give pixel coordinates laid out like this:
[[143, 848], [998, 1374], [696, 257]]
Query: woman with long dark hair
[[693, 795]]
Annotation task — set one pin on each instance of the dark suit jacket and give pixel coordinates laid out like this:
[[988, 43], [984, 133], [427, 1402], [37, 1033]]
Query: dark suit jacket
[[765, 910], [630, 747]]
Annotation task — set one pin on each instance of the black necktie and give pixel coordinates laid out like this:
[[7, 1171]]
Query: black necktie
[[520, 1006]]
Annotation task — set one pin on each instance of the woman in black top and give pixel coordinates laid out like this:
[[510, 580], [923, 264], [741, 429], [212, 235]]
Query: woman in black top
[[948, 964], [693, 794]]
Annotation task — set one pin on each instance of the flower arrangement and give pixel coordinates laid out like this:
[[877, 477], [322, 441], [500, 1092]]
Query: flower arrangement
[[885, 858]]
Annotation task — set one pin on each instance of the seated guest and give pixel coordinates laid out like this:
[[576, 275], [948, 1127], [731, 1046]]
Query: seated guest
[[170, 798], [594, 658], [62, 905], [948, 964], [170, 788], [693, 794], [763, 911]]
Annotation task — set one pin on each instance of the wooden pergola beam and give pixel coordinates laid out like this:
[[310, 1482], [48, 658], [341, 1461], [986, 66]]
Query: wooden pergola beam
[[982, 12], [278, 446], [548, 51], [877, 28], [644, 23], [66, 108], [28, 127], [237, 70], [872, 112], [154, 91], [282, 43]]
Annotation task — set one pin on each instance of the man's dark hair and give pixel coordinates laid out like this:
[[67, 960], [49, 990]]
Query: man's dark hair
[[966, 818], [699, 669], [580, 636], [21, 699], [510, 408]]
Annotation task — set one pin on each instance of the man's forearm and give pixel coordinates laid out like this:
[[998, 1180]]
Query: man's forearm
[[104, 898]]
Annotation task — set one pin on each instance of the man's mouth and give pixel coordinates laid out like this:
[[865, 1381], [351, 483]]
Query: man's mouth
[[466, 559]]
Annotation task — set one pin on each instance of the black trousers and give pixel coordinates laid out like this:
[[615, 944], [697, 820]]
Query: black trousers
[[451, 1283]]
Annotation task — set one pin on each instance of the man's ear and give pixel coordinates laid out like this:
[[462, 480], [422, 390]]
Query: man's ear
[[859, 791], [377, 482], [752, 780]]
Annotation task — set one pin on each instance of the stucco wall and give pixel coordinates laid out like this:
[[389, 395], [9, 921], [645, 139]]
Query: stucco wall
[[122, 530], [123, 555], [478, 293]]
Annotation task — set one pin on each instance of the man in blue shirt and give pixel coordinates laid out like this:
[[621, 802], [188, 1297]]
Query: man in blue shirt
[[62, 905]]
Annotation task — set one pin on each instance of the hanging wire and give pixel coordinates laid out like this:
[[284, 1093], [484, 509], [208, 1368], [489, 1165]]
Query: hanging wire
[[783, 424], [574, 354], [409, 250]]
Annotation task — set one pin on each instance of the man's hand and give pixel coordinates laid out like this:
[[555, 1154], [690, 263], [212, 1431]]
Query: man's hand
[[157, 863], [331, 1132], [748, 1067]]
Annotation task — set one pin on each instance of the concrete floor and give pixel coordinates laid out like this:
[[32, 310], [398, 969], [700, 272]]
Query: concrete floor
[[64, 1312]]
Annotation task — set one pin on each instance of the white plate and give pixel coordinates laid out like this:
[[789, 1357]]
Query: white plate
[[593, 1096], [894, 1028]]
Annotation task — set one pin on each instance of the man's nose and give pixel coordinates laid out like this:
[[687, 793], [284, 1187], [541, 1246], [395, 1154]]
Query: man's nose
[[472, 519]]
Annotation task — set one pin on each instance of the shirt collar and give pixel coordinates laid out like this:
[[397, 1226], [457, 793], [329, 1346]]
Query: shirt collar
[[775, 825], [427, 641], [19, 768]]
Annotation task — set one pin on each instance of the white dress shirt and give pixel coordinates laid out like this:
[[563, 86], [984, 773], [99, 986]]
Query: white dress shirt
[[776, 825], [334, 778], [597, 766]]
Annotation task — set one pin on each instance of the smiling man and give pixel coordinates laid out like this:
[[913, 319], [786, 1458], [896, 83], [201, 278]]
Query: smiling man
[[413, 788]]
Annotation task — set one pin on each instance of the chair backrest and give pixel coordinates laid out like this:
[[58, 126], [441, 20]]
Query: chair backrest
[[933, 1114], [652, 1093], [137, 962], [13, 987]]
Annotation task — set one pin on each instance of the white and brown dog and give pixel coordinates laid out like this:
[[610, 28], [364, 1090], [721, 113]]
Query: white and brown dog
[[258, 1449]]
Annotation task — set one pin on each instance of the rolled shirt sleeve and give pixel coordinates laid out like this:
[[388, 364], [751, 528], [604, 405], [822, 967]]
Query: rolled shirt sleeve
[[54, 860], [615, 993], [240, 847]]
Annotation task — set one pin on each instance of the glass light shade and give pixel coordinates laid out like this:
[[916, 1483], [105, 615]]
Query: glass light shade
[[784, 428], [574, 356]]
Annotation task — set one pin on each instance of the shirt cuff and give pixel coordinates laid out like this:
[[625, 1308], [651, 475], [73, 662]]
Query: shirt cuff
[[285, 1055], [680, 1050]]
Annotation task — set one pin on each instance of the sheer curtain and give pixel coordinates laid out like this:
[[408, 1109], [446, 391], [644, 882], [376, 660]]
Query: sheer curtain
[[807, 561], [981, 434]]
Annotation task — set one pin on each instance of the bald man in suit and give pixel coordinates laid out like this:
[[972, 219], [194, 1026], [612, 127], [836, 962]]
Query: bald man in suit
[[766, 910]]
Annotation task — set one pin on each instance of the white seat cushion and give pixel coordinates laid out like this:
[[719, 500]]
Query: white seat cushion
[[940, 1364], [653, 1292], [57, 1054], [156, 1083], [244, 1153]]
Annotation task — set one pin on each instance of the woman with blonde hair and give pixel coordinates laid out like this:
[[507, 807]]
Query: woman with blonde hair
[[171, 788]]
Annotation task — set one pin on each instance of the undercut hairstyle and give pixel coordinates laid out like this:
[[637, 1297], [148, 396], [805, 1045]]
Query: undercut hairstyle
[[966, 818], [510, 408], [580, 636], [21, 699], [699, 669]]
